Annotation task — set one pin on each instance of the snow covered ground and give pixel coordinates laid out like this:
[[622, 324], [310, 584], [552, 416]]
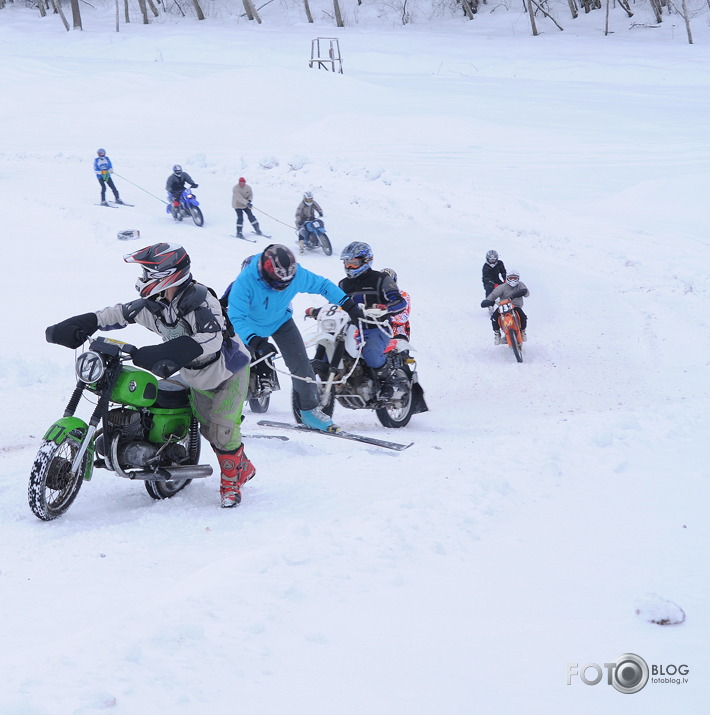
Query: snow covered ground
[[541, 505]]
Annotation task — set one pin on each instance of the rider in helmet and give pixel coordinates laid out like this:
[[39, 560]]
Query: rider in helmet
[[196, 341], [400, 321], [372, 288], [493, 273], [259, 306], [513, 289], [242, 196], [306, 211], [175, 185], [103, 168]]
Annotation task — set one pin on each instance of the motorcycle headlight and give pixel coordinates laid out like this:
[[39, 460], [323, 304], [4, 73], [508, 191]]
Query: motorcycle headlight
[[89, 367]]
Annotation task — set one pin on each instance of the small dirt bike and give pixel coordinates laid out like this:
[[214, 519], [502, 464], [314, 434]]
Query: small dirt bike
[[141, 428], [263, 380], [189, 207], [343, 376], [509, 324], [316, 237]]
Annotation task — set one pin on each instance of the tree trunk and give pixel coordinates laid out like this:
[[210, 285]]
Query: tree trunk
[[58, 9], [531, 14], [198, 10], [606, 19], [125, 8], [686, 17], [118, 13], [657, 10], [248, 9], [76, 15], [43, 9], [152, 7], [573, 8], [338, 15], [467, 10], [625, 5], [309, 17], [144, 11]]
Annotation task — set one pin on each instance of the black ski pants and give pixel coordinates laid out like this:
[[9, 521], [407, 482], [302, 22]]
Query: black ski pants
[[290, 343], [108, 182], [240, 219]]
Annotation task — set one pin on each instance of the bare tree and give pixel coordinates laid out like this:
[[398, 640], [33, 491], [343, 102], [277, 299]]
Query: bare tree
[[152, 7], [338, 15], [685, 13], [43, 9], [198, 10], [309, 17], [657, 10], [531, 15], [125, 9], [58, 9], [144, 11], [250, 10], [76, 15]]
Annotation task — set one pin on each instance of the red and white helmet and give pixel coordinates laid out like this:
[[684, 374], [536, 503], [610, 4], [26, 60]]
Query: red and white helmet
[[165, 265], [512, 278], [277, 266]]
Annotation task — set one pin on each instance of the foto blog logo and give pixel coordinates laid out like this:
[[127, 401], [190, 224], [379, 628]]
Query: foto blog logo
[[628, 673]]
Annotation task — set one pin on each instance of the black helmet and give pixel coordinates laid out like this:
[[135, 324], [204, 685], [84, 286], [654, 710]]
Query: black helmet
[[277, 266], [177, 170], [165, 265]]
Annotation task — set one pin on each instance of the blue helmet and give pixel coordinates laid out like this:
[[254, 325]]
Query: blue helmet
[[356, 257], [101, 152]]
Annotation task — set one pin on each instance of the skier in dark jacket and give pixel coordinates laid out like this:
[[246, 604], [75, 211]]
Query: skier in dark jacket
[[175, 185]]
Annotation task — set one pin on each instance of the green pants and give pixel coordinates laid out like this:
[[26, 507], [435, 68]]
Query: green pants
[[219, 411]]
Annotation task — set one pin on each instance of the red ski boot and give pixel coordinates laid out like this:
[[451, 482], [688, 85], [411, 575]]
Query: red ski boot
[[236, 471]]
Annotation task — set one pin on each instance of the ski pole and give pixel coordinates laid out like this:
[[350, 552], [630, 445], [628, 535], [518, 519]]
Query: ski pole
[[162, 201]]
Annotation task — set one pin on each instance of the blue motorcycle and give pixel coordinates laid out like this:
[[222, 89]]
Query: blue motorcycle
[[188, 206], [315, 237]]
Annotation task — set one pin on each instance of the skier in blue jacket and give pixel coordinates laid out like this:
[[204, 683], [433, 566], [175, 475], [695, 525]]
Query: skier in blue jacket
[[103, 168], [259, 307]]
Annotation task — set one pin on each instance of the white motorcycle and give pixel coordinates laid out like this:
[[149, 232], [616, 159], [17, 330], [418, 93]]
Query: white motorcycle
[[343, 375]]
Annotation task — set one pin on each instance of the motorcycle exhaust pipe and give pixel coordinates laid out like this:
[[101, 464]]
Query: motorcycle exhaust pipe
[[198, 471]]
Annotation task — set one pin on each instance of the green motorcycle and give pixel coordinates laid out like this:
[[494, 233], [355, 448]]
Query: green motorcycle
[[141, 428]]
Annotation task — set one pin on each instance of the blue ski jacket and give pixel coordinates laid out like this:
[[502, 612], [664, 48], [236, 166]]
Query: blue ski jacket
[[257, 309], [101, 164]]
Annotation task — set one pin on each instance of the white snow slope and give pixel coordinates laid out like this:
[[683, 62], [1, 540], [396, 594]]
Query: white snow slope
[[540, 504]]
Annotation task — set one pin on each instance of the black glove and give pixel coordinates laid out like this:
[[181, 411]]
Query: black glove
[[487, 303], [520, 293], [72, 332], [165, 359], [353, 310], [261, 347]]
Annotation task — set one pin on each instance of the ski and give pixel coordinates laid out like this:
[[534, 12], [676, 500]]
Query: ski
[[265, 436], [107, 206], [398, 447], [242, 238], [113, 203]]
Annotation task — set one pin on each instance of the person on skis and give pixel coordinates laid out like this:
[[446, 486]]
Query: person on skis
[[196, 342], [373, 289], [515, 290], [400, 321], [175, 185], [493, 272], [306, 211], [259, 307], [242, 196], [103, 168]]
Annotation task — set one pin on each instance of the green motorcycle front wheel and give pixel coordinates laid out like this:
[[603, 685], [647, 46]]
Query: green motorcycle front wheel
[[53, 485]]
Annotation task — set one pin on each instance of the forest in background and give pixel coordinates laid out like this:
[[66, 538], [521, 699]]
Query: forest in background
[[542, 15]]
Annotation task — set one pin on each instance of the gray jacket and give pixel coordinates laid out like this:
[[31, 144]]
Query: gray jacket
[[241, 196], [307, 212], [505, 291], [204, 325]]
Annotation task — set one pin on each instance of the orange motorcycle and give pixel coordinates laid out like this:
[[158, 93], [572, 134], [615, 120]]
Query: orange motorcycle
[[509, 323]]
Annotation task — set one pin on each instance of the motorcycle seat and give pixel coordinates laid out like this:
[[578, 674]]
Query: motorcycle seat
[[172, 394]]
